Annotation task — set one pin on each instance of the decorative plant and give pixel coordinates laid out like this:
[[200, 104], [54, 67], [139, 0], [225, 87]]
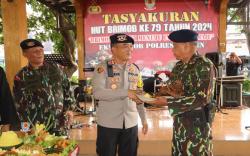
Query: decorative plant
[[246, 85], [74, 79]]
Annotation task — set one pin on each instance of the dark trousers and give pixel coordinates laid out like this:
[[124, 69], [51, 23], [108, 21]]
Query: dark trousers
[[109, 139]]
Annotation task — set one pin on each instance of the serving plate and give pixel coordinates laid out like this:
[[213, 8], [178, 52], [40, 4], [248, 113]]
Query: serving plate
[[10, 147], [145, 99]]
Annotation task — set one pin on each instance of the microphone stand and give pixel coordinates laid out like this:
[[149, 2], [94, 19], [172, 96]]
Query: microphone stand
[[220, 97]]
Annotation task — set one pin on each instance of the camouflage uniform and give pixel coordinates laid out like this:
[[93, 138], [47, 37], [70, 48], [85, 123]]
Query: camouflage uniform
[[191, 132], [43, 95]]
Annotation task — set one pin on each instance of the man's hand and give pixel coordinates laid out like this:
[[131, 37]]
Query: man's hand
[[174, 89], [160, 101], [145, 128], [132, 96]]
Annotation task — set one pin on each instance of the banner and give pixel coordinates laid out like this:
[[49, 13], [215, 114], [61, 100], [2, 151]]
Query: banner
[[149, 22]]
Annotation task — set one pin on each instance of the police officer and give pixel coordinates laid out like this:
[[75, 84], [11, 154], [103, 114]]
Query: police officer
[[41, 90], [115, 83], [192, 118], [8, 115]]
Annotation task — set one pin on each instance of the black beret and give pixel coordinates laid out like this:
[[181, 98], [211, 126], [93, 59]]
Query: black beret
[[121, 38], [30, 43], [183, 35]]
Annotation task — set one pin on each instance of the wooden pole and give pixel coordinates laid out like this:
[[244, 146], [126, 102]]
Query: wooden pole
[[223, 26], [80, 38], [14, 31]]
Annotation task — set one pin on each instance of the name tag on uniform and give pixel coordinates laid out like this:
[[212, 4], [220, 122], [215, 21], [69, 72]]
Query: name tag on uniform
[[133, 74], [116, 74]]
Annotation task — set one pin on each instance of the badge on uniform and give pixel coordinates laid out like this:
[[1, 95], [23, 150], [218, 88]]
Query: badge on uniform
[[25, 126], [113, 86], [113, 79], [121, 38], [133, 86], [30, 44], [117, 79], [115, 69], [131, 78], [100, 70], [131, 69]]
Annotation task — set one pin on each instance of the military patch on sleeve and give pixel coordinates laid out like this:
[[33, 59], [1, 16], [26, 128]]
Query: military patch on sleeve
[[100, 70]]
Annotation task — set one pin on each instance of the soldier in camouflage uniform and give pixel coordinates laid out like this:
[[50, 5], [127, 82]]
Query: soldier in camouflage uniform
[[41, 90], [192, 116]]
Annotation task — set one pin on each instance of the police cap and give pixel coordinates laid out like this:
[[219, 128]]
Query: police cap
[[121, 38], [30, 43], [183, 35]]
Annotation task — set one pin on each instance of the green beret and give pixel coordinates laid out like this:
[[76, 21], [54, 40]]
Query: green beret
[[30, 43], [183, 35], [121, 38]]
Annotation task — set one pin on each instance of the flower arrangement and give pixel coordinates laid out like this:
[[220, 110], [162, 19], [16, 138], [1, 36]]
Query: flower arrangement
[[39, 142]]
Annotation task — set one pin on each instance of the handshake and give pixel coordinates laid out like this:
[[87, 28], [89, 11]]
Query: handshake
[[174, 89], [132, 94]]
